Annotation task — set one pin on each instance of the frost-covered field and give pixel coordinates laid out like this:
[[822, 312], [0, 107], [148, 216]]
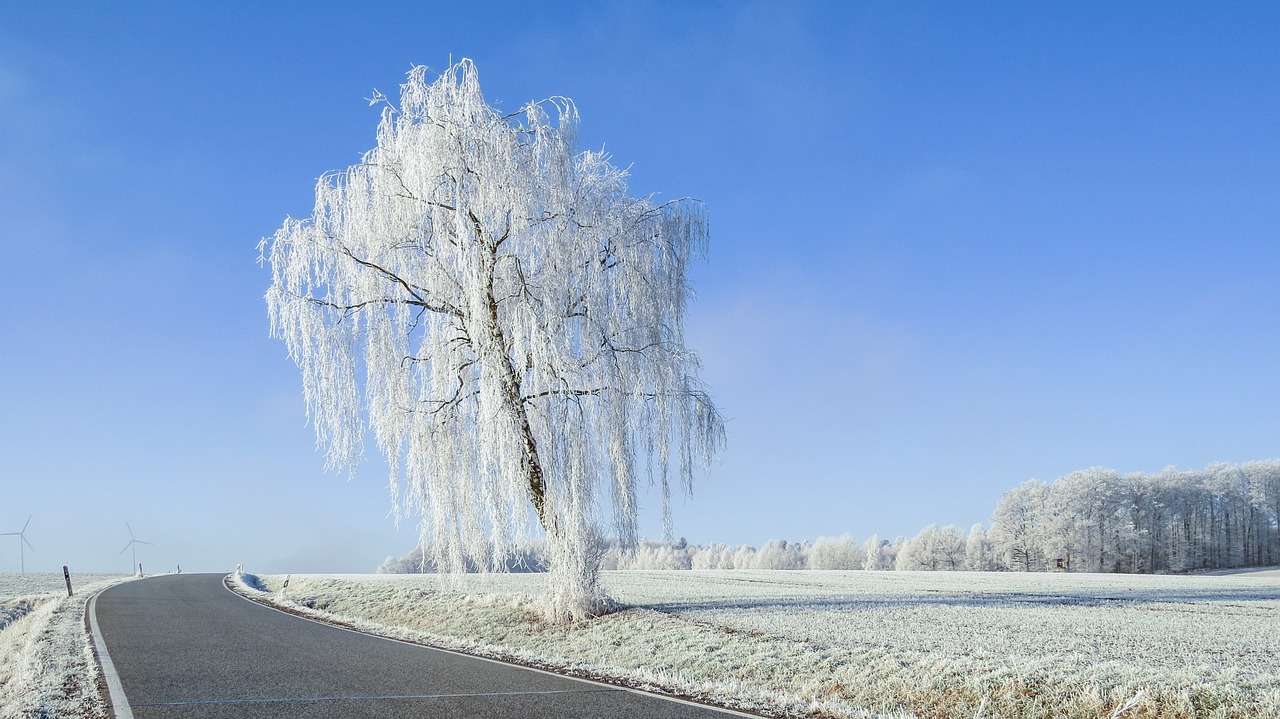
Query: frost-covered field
[[22, 593], [46, 666], [926, 644], [14, 585]]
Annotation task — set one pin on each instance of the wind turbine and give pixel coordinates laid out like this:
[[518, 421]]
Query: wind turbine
[[22, 539], [133, 542]]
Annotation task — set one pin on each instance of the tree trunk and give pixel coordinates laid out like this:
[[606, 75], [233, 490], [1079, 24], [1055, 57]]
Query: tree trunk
[[514, 404], [1102, 540], [574, 591]]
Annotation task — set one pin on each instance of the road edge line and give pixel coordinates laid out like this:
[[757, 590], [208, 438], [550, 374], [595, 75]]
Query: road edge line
[[432, 647], [120, 708]]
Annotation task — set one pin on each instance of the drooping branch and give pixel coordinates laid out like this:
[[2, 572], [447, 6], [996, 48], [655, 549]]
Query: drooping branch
[[414, 291], [563, 392]]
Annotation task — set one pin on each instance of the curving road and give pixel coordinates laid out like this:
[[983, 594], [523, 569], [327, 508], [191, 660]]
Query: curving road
[[185, 646]]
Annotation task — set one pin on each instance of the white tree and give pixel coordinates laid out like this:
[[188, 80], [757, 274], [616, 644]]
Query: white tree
[[1081, 524], [948, 546], [891, 551], [979, 555], [873, 551], [933, 548], [510, 319], [835, 553], [780, 554], [1264, 481], [1096, 519], [911, 555], [744, 557], [1015, 527], [715, 556]]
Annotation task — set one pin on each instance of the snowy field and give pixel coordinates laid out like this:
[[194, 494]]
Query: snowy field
[[1252, 572], [13, 585], [21, 593], [923, 644], [46, 668]]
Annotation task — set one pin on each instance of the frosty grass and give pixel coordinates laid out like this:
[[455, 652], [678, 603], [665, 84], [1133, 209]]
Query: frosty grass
[[46, 663], [862, 644]]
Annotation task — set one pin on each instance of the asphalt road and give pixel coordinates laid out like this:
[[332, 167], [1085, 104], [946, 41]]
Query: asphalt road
[[185, 646]]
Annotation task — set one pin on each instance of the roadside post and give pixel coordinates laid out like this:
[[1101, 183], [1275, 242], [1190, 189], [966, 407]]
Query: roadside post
[[140, 570], [66, 576]]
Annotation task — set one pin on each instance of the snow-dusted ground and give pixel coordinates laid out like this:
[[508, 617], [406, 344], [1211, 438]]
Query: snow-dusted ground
[[46, 665], [927, 644], [1250, 571], [20, 594], [14, 586]]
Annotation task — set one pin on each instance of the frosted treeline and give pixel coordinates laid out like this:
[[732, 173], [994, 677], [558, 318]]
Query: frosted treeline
[[1093, 520], [933, 548], [530, 558], [1098, 520]]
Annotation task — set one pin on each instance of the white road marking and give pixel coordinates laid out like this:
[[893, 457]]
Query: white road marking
[[119, 703]]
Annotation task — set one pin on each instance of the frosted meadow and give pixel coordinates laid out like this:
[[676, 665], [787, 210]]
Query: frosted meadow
[[21, 593], [860, 644], [46, 666]]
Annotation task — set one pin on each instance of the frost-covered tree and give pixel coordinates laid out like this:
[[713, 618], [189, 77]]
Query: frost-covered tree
[[1016, 525], [1082, 525], [934, 548], [1097, 519], [780, 554], [648, 555], [949, 545], [744, 557], [912, 556], [715, 556], [1059, 534], [891, 551], [509, 319], [1264, 483], [979, 555], [527, 558], [835, 553], [873, 552]]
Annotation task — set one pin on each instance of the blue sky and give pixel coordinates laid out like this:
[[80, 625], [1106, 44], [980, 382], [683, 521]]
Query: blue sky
[[952, 250]]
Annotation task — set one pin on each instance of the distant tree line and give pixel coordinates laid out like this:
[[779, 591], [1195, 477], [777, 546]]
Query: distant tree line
[[933, 548], [1098, 520], [1092, 520], [528, 558]]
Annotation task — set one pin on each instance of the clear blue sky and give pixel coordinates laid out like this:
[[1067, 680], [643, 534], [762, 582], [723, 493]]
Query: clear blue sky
[[953, 249]]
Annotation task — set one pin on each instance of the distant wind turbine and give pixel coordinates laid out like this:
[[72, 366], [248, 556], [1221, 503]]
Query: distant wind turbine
[[22, 539], [132, 545]]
